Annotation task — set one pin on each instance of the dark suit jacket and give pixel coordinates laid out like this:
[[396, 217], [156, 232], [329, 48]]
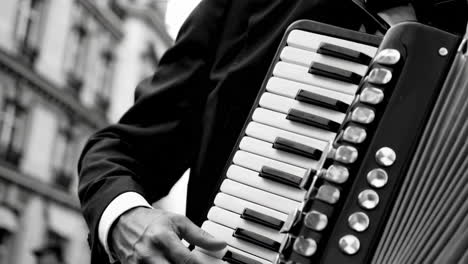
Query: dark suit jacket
[[190, 113]]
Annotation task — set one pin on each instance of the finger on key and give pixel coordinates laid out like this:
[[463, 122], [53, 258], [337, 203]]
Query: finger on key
[[197, 236]]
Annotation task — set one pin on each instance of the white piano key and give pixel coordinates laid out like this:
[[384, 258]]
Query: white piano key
[[306, 58], [233, 221], [301, 74], [251, 178], [269, 134], [256, 162], [265, 149], [226, 234], [283, 105], [257, 196], [238, 205], [214, 257], [290, 89], [278, 120], [311, 41], [206, 258]]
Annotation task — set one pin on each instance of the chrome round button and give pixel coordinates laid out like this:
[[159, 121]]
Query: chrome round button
[[315, 220], [377, 178], [346, 154], [305, 246], [443, 51], [349, 244], [363, 115], [388, 57], [328, 193], [385, 156], [380, 76], [354, 134], [368, 199], [371, 95], [337, 173], [358, 221]]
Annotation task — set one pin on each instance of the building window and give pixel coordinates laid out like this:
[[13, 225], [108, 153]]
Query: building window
[[105, 80], [5, 238], [64, 157], [53, 251], [13, 120], [29, 25], [77, 49]]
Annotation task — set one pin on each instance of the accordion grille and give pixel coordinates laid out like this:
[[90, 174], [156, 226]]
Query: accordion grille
[[429, 220]]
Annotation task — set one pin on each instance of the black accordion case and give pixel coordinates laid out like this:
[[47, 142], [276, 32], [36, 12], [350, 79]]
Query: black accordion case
[[355, 151]]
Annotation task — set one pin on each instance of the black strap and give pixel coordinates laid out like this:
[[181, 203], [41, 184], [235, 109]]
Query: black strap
[[372, 21]]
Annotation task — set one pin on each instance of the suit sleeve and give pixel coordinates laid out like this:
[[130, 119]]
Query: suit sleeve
[[155, 141]]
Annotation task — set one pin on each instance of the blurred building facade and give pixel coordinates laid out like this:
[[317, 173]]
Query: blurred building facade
[[67, 68]]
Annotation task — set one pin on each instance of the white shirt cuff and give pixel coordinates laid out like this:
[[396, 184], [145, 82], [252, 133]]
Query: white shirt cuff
[[116, 208]]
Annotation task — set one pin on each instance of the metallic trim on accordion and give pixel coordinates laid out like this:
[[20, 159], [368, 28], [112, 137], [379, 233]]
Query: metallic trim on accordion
[[388, 57], [305, 246], [380, 76], [293, 219], [358, 221], [349, 244], [377, 178], [368, 199], [363, 115], [385, 156], [315, 220]]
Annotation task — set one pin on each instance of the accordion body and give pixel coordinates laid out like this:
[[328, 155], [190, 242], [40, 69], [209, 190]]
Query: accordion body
[[355, 151]]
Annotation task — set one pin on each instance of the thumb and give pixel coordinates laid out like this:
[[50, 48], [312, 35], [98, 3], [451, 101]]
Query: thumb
[[198, 237]]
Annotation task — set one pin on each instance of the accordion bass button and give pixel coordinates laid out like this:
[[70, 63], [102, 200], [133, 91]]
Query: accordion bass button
[[305, 246], [362, 114], [358, 221], [315, 220], [377, 178], [349, 244], [354, 134], [380, 76], [371, 95], [368, 199], [385, 156], [388, 57]]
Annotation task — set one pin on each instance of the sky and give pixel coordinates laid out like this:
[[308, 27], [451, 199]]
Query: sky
[[177, 12]]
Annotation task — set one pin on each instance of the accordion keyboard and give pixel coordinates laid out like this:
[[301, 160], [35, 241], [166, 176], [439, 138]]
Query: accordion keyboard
[[298, 115]]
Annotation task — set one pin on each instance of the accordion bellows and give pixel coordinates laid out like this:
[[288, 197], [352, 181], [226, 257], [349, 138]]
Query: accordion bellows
[[429, 222]]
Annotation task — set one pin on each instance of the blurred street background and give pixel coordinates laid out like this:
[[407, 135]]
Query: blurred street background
[[67, 68]]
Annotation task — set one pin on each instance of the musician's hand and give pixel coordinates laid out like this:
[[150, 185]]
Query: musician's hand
[[153, 236]]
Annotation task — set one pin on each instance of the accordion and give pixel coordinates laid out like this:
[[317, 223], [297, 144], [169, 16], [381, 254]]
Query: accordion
[[354, 152]]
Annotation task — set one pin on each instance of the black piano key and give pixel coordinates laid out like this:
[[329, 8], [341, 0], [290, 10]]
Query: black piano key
[[280, 176], [343, 53], [321, 100], [312, 120], [335, 73], [262, 219], [297, 148], [234, 258], [256, 239]]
